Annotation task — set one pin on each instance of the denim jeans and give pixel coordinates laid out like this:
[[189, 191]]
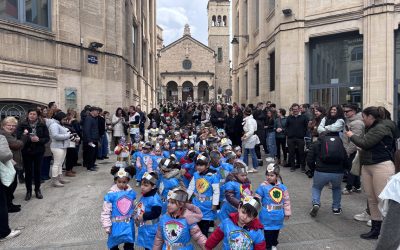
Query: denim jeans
[[320, 180], [103, 148], [271, 144], [254, 160]]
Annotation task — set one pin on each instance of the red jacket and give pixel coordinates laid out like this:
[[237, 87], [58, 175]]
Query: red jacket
[[218, 235]]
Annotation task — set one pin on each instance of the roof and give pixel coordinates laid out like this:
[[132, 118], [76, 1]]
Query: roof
[[185, 38]]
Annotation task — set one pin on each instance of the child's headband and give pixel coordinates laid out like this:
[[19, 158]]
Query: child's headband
[[150, 178], [122, 173], [172, 195], [253, 202]]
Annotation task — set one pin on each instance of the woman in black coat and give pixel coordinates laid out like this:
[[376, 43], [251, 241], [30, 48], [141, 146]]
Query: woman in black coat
[[234, 127]]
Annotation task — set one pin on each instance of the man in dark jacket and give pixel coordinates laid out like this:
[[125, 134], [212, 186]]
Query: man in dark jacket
[[218, 117], [296, 130], [103, 146], [142, 120], [90, 138], [260, 116]]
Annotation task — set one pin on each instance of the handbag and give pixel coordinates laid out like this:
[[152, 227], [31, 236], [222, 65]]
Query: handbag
[[7, 173], [355, 165]]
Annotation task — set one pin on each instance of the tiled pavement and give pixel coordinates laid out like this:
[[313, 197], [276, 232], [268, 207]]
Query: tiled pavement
[[69, 217]]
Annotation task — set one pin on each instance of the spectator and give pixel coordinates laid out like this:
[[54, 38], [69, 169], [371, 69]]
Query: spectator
[[90, 139], [269, 127], [76, 128], [234, 127], [280, 138], [154, 116], [142, 120], [118, 124], [134, 123], [250, 140], [218, 117], [305, 110], [9, 126], [333, 121], [260, 116], [33, 150], [47, 156], [376, 160], [319, 114], [60, 141], [296, 130], [102, 151], [5, 232], [355, 124]]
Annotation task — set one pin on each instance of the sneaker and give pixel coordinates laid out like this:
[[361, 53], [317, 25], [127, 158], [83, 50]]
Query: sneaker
[[364, 216], [314, 210], [13, 234], [369, 223], [337, 211], [356, 190], [269, 159], [345, 191], [250, 170]]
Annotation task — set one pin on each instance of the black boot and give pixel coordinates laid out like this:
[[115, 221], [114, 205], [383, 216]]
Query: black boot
[[21, 178], [38, 194], [260, 163], [375, 231], [28, 195]]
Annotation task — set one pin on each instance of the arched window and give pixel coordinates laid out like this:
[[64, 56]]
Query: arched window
[[213, 21], [225, 21], [219, 21]]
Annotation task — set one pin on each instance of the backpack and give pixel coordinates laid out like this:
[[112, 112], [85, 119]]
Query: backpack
[[332, 150]]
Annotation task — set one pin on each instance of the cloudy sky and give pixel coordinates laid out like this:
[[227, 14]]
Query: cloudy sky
[[172, 15]]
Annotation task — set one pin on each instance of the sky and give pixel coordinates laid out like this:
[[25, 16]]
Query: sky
[[172, 15]]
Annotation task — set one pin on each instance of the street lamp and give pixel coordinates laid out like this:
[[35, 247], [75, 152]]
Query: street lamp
[[235, 39]]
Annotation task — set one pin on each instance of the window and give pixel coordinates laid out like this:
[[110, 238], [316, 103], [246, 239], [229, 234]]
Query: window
[[272, 71], [213, 21], [225, 21], [144, 58], [257, 13], [134, 42], [257, 79], [9, 8], [34, 12], [219, 21], [220, 54], [357, 54]]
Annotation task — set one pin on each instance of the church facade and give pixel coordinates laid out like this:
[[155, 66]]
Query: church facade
[[192, 71]]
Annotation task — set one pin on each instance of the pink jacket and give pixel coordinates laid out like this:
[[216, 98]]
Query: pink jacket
[[107, 208], [192, 215]]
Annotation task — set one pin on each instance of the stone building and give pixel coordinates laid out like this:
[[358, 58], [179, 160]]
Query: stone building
[[331, 52], [76, 53], [192, 71]]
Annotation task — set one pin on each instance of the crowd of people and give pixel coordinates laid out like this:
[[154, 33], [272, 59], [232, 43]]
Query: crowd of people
[[191, 162]]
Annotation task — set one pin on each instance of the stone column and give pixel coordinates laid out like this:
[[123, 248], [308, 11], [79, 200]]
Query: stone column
[[195, 93], [179, 93]]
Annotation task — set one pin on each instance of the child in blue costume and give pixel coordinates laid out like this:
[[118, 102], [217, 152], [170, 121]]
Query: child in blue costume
[[118, 210], [238, 151], [135, 156], [201, 147], [166, 149], [275, 205], [237, 187], [242, 230], [170, 179], [144, 162], [187, 167], [204, 186], [179, 151], [147, 211], [222, 171], [178, 226], [157, 157]]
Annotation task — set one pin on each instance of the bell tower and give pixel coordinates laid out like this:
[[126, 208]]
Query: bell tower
[[218, 40]]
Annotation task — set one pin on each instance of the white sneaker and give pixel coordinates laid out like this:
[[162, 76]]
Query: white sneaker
[[13, 234], [362, 217], [250, 170], [369, 223], [274, 248], [269, 159]]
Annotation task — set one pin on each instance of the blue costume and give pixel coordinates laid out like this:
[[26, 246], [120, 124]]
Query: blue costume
[[156, 160], [165, 186], [147, 232], [241, 191], [203, 193], [190, 168], [145, 158], [175, 233], [134, 158], [122, 228], [272, 212], [166, 153], [180, 154], [239, 238], [223, 170]]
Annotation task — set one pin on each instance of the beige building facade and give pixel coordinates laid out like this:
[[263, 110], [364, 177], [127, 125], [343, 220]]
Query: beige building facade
[[77, 53], [331, 52], [187, 70]]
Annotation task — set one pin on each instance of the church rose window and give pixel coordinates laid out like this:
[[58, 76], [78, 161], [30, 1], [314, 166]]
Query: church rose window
[[187, 64]]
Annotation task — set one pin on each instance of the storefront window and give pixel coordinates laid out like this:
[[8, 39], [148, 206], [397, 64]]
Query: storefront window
[[33, 12], [336, 69]]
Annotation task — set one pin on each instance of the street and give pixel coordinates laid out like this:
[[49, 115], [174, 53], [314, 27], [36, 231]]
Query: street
[[69, 217]]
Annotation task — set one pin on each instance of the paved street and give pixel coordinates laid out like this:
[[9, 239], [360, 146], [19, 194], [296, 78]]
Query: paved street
[[68, 218]]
